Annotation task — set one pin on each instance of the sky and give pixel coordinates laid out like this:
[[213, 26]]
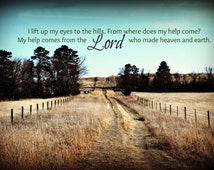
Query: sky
[[28, 20]]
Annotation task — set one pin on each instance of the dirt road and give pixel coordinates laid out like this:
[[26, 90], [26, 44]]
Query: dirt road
[[127, 144]]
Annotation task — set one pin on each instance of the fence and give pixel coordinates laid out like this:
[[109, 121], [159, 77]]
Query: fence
[[172, 110], [48, 105]]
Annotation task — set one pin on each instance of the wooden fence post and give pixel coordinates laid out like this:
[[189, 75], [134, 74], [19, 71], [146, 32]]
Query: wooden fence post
[[177, 111], [37, 108], [165, 108], [30, 109], [22, 114], [43, 105], [170, 109], [11, 112], [152, 104], [47, 105], [160, 106], [208, 116], [185, 113], [195, 117]]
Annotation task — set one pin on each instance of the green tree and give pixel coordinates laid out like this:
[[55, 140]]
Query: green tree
[[5, 74], [162, 80], [66, 67], [42, 72], [129, 78]]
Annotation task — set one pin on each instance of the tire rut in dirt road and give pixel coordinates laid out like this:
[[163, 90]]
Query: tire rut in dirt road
[[124, 144], [154, 148], [116, 148]]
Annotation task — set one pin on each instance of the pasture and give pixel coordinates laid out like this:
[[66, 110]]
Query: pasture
[[51, 139], [5, 106], [106, 129], [198, 103]]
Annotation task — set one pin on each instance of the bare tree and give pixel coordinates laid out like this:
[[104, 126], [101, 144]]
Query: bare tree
[[144, 81], [28, 83], [209, 71], [16, 67]]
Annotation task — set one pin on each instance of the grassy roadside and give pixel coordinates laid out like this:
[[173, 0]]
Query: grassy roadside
[[61, 137], [195, 103], [57, 138], [193, 145]]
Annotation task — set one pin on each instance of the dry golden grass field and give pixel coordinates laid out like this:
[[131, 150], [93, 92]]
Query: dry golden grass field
[[102, 130], [199, 102], [191, 143], [52, 139]]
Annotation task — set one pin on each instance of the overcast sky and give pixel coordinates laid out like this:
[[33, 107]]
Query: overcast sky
[[17, 18]]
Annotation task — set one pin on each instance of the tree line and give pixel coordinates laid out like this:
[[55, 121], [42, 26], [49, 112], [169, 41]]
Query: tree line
[[45, 76], [42, 75], [163, 81]]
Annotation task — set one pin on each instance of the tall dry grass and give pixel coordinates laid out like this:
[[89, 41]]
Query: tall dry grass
[[55, 139], [199, 102], [190, 143]]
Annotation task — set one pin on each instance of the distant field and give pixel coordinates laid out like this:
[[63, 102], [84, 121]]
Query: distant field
[[6, 106], [202, 102]]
